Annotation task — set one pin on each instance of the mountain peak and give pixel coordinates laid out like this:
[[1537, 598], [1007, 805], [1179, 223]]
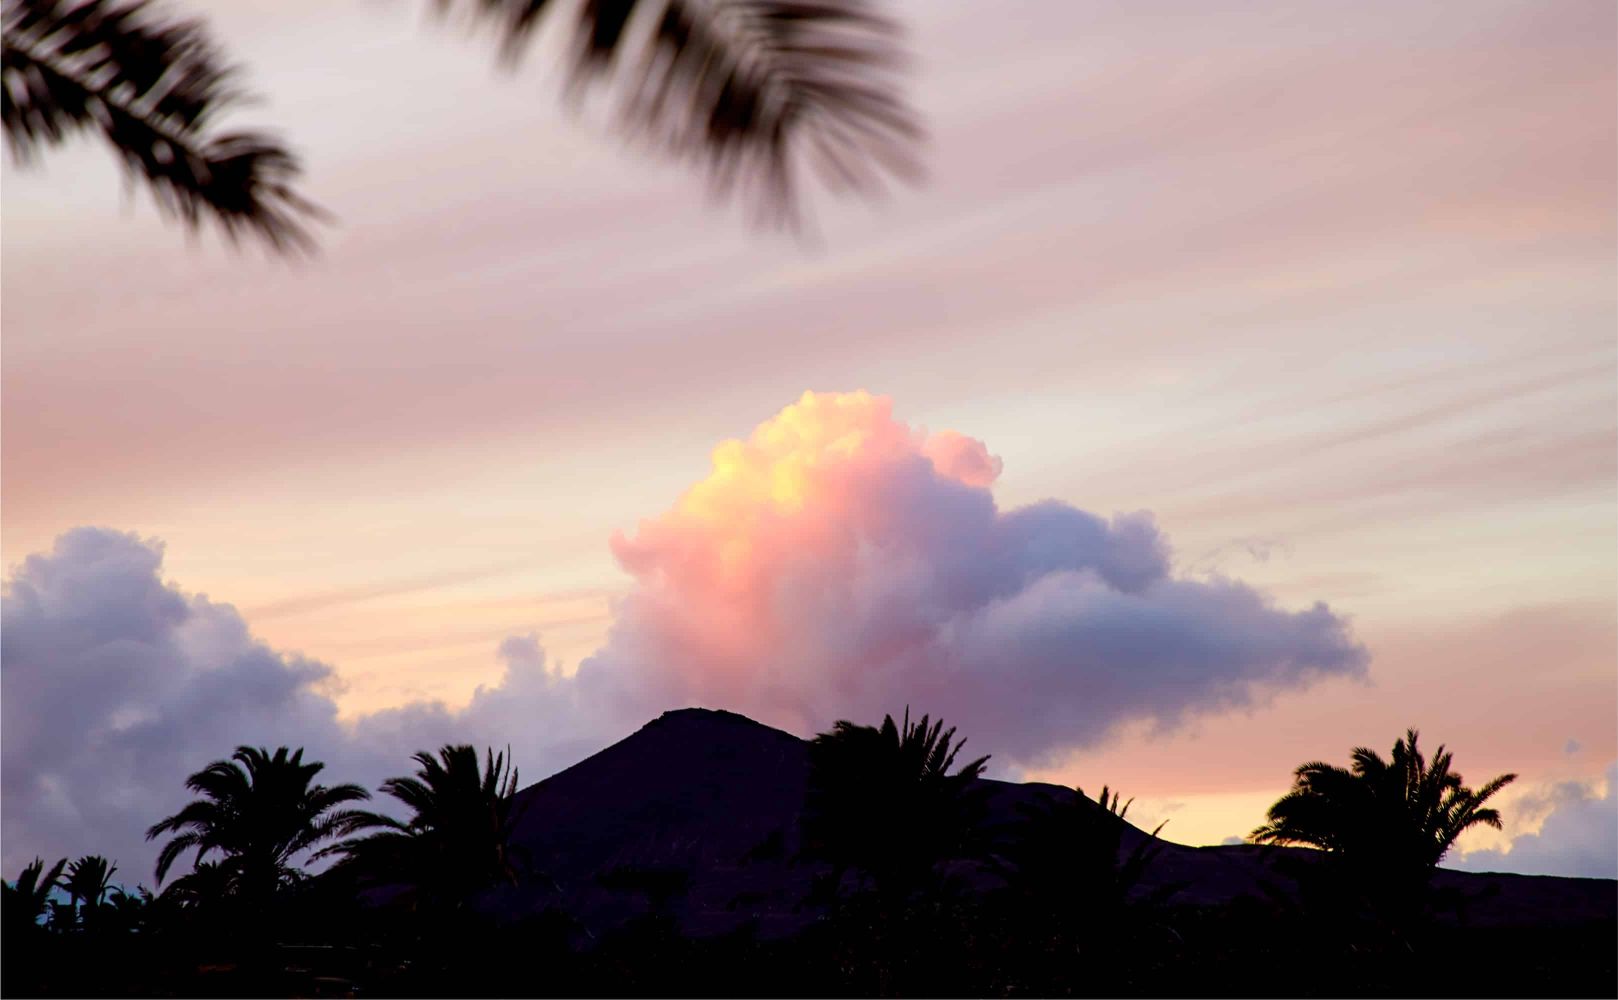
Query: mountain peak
[[706, 717]]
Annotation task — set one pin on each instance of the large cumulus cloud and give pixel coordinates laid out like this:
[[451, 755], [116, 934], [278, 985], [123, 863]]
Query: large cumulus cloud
[[840, 563], [836, 564]]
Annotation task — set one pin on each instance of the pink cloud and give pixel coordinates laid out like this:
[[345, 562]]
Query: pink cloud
[[959, 457], [838, 562]]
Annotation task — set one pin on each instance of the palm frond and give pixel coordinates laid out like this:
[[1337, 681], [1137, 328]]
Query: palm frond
[[173, 849], [755, 92], [89, 877], [1488, 791], [201, 813], [152, 88], [34, 885]]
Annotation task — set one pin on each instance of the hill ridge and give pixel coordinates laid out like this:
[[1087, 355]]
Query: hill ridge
[[717, 795]]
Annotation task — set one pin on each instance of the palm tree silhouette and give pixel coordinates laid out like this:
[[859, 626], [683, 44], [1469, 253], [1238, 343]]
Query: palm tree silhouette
[[456, 843], [25, 899], [199, 889], [1073, 892], [127, 911], [1402, 810], [1064, 860], [1388, 822], [754, 91], [88, 879], [883, 800], [258, 811]]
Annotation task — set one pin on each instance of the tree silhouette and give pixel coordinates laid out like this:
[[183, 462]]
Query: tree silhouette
[[456, 843], [1388, 822], [126, 911], [1072, 891], [884, 801], [1403, 810], [199, 889], [258, 812], [25, 899], [88, 879], [1064, 860], [151, 87]]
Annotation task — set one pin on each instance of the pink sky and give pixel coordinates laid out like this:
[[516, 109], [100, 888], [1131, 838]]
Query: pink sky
[[1329, 289]]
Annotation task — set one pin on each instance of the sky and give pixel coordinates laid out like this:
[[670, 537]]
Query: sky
[[1236, 388]]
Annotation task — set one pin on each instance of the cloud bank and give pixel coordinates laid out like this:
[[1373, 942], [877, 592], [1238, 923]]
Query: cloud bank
[[836, 564], [115, 685], [1579, 835]]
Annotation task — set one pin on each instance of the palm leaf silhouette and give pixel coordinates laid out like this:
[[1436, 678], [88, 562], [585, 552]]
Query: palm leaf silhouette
[[756, 92], [883, 801], [27, 898], [258, 811], [151, 87], [457, 840], [1064, 859], [1401, 811], [1386, 823]]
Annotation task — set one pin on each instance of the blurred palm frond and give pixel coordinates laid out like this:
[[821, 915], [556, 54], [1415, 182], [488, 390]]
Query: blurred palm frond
[[151, 85], [753, 91]]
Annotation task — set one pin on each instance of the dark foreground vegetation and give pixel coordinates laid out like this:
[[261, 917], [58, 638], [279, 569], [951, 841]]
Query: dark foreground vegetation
[[707, 855]]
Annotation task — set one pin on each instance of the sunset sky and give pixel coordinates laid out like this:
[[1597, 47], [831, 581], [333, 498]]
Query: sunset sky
[[1327, 290]]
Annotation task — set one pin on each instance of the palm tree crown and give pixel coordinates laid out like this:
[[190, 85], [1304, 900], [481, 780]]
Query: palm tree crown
[[258, 811], [26, 899], [88, 879], [457, 841], [884, 800], [1400, 814]]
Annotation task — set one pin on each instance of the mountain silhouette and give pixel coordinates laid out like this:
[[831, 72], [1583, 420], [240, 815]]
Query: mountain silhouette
[[696, 814]]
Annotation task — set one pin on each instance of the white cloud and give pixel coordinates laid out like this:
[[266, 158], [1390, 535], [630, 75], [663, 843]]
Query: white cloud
[[1578, 837]]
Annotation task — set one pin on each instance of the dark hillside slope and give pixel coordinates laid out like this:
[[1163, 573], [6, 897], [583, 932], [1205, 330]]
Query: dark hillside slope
[[715, 797], [712, 794]]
